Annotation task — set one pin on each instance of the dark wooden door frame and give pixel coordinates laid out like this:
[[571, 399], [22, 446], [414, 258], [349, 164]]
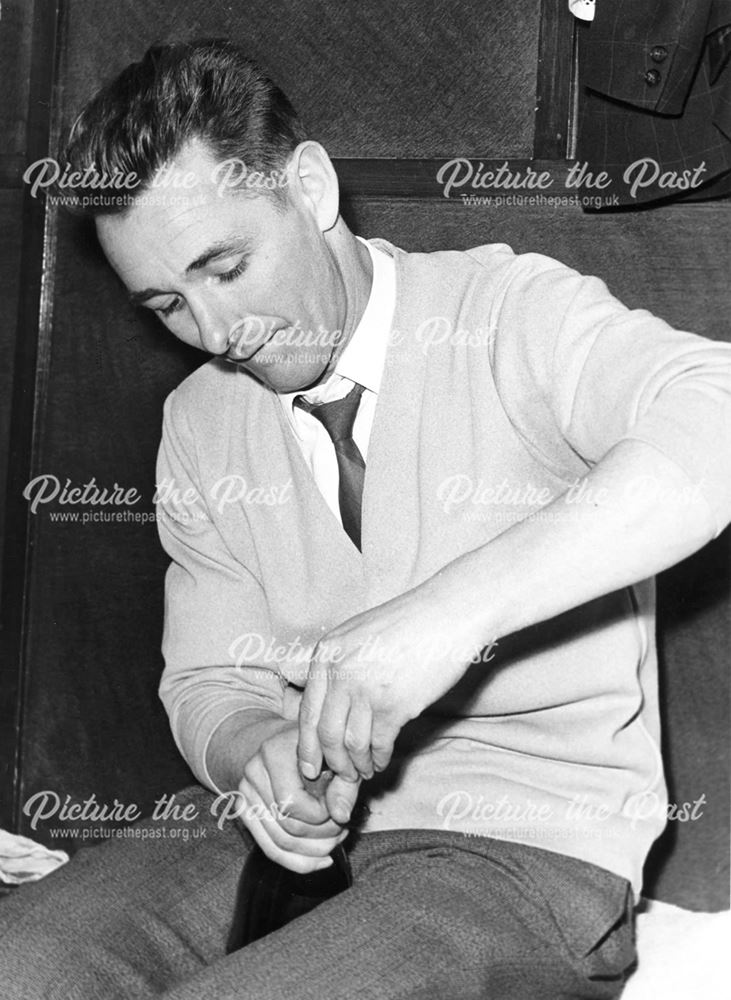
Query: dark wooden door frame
[[32, 354]]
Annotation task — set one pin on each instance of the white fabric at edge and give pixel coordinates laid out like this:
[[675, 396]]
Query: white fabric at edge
[[22, 860]]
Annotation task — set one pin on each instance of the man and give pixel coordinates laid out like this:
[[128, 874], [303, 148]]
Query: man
[[444, 598]]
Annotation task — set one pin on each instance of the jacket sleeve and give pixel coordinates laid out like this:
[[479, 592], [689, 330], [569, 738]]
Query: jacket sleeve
[[654, 108], [211, 601], [645, 52]]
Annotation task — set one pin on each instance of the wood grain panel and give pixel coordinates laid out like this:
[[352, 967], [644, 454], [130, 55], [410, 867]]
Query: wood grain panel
[[29, 354], [11, 203], [16, 17], [426, 78], [93, 722]]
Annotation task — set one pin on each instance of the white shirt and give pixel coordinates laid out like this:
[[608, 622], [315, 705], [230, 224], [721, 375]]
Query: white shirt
[[362, 361]]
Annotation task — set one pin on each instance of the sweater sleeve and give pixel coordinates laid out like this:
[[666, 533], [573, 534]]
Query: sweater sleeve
[[211, 601], [578, 372]]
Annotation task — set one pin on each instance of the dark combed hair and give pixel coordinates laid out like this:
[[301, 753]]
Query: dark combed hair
[[205, 89]]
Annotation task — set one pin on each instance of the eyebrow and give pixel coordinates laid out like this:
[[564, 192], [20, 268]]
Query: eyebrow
[[224, 248]]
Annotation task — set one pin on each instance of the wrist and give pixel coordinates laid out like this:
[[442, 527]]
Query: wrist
[[461, 619], [235, 742]]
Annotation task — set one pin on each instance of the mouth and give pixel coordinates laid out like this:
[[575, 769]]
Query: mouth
[[240, 359]]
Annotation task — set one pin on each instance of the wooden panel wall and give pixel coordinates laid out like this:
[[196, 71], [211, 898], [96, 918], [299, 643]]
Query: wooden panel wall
[[370, 79], [15, 59], [26, 45]]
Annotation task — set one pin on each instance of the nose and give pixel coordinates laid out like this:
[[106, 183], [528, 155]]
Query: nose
[[213, 328]]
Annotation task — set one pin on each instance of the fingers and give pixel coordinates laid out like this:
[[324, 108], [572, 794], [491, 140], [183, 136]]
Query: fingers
[[297, 828], [297, 813], [292, 801], [344, 732], [357, 739], [340, 727], [383, 737], [331, 729], [296, 861], [340, 798], [299, 854], [352, 741], [309, 751], [304, 816]]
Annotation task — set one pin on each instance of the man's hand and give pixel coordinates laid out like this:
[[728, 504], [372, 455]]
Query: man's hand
[[375, 672], [290, 825]]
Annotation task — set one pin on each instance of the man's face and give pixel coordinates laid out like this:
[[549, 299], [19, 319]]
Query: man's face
[[235, 274]]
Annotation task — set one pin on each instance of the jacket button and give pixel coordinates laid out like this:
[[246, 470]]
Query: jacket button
[[658, 53], [652, 78]]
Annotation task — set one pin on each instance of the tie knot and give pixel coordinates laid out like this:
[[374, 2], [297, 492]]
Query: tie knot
[[338, 416]]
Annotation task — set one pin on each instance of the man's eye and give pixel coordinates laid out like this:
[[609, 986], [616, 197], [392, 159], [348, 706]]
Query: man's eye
[[234, 273], [174, 306]]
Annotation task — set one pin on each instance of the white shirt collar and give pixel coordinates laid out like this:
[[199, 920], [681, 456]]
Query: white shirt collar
[[364, 356]]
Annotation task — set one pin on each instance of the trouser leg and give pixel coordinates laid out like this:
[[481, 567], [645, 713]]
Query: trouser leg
[[129, 917], [437, 916]]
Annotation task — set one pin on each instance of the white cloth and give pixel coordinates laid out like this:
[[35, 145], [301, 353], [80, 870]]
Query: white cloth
[[362, 361], [22, 860], [682, 954]]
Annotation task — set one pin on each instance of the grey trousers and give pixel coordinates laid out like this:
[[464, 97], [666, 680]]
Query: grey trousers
[[433, 915]]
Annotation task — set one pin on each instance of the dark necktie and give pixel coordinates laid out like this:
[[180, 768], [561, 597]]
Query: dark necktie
[[338, 418]]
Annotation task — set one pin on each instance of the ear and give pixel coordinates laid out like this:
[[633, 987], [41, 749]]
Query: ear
[[313, 179]]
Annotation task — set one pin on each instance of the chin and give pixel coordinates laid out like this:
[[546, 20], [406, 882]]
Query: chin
[[283, 383], [295, 379]]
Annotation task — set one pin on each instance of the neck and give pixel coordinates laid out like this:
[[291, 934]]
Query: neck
[[356, 271]]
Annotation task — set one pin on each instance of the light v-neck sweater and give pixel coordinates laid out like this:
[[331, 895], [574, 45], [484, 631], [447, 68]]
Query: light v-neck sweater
[[506, 378]]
